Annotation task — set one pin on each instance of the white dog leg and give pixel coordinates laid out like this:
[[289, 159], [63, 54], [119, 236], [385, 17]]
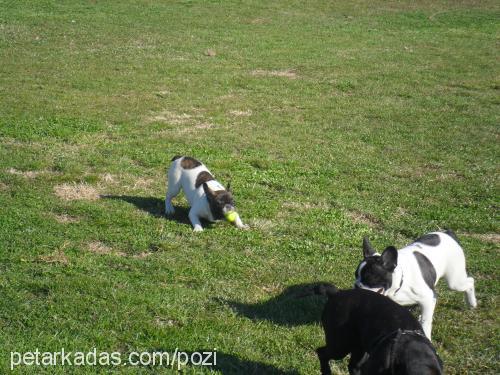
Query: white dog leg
[[457, 280], [427, 305], [471, 293], [173, 188], [239, 224], [462, 283], [195, 221]]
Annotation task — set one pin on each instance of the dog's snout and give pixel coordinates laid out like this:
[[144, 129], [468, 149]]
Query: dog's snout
[[228, 208]]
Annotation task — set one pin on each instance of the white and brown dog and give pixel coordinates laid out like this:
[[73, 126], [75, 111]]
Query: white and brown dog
[[208, 199], [408, 276]]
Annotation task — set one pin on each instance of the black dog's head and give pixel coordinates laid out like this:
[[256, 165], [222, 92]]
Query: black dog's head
[[375, 270], [220, 201]]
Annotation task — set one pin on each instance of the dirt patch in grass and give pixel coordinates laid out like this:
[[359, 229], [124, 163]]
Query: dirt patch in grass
[[265, 225], [66, 219], [98, 247], [108, 178], [485, 237], [194, 127], [359, 217], [57, 257], [170, 117], [69, 192], [305, 205], [166, 322], [26, 174], [142, 255], [288, 73], [241, 113], [187, 122], [271, 289]]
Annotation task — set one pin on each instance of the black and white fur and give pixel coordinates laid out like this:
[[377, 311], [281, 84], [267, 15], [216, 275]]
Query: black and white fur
[[382, 337], [208, 199], [408, 276]]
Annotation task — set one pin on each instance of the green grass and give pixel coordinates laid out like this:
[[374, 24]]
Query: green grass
[[332, 119]]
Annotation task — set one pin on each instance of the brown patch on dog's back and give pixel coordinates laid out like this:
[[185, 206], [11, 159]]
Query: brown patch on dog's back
[[189, 163], [202, 178]]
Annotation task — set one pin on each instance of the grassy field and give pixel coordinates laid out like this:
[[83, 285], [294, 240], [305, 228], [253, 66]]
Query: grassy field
[[332, 120]]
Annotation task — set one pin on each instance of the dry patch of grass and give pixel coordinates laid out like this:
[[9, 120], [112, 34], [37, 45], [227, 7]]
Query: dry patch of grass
[[241, 113], [305, 205], [74, 191], [165, 322], [187, 122], [98, 247], [485, 237], [108, 178], [288, 73], [26, 174], [210, 52], [272, 289], [57, 257], [142, 255], [143, 183], [359, 217], [265, 225], [171, 117], [66, 219]]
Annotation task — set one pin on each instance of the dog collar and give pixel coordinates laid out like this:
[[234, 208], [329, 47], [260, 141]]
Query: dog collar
[[400, 284]]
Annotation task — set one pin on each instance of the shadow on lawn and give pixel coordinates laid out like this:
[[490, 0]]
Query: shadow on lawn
[[153, 206], [229, 364], [296, 305]]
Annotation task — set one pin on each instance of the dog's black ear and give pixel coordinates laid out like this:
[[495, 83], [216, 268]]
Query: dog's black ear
[[368, 249], [229, 187], [390, 258], [208, 191]]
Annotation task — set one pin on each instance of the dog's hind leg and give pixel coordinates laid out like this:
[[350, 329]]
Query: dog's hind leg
[[462, 283], [356, 362], [324, 359], [173, 187], [457, 279]]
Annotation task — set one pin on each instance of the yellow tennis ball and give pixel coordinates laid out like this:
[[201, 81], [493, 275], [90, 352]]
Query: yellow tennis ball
[[231, 216]]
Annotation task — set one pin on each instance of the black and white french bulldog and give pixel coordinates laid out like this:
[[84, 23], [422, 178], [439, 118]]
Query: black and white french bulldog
[[408, 276], [208, 199], [381, 336]]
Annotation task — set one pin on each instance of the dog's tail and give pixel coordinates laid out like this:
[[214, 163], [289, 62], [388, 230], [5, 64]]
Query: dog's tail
[[325, 289]]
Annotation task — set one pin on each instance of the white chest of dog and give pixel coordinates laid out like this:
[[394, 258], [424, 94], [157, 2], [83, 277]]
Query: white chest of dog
[[408, 276], [208, 199]]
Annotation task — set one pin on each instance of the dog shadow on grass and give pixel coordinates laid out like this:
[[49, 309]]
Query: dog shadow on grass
[[153, 206], [296, 305], [228, 364]]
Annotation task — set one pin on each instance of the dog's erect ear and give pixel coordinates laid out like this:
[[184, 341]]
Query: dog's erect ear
[[390, 258], [209, 192], [368, 250], [229, 187]]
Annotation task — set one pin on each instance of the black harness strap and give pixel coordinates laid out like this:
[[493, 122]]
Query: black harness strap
[[395, 335]]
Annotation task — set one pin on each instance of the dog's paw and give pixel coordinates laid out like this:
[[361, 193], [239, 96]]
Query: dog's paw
[[198, 228], [169, 210], [244, 227]]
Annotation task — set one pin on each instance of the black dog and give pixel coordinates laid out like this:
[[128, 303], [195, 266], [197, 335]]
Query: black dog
[[381, 336]]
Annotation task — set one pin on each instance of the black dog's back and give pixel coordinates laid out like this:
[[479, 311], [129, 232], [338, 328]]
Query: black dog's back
[[359, 321]]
